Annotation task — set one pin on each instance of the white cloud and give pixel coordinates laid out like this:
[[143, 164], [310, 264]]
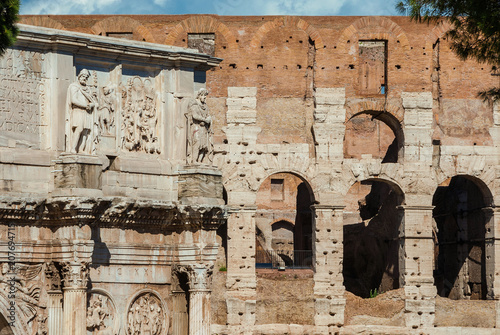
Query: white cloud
[[65, 6]]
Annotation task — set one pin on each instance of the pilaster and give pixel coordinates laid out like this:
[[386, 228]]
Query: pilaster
[[241, 279], [416, 266], [328, 256]]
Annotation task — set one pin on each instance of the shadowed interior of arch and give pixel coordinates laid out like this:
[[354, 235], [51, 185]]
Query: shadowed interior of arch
[[371, 237], [459, 235]]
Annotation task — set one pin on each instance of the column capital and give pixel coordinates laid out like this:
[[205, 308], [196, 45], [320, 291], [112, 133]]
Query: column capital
[[75, 275], [199, 275]]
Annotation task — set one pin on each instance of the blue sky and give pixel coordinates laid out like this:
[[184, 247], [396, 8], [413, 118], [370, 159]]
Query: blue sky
[[220, 7]]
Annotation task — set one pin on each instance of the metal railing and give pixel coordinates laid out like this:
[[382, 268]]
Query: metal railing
[[283, 259]]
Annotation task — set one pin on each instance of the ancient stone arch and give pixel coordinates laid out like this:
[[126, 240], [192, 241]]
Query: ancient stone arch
[[42, 21], [123, 24], [201, 24], [357, 30], [437, 32], [465, 232], [391, 115], [356, 108], [292, 21]]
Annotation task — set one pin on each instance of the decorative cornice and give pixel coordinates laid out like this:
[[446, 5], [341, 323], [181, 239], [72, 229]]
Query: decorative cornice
[[109, 212], [47, 38]]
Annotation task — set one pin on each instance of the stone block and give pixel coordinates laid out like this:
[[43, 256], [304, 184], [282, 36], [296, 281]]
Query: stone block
[[238, 116], [241, 92], [417, 100]]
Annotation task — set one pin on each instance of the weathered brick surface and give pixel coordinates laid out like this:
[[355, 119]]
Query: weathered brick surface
[[286, 58]]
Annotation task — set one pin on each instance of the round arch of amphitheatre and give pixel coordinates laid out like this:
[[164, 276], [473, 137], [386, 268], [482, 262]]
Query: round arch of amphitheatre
[[201, 24], [42, 21], [293, 21], [122, 24], [353, 109], [391, 32], [437, 32]]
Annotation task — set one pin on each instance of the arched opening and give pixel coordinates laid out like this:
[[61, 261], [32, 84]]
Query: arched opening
[[284, 223], [459, 232], [371, 237], [4, 326], [375, 133]]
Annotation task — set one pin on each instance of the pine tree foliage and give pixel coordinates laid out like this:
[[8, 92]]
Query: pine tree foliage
[[9, 10], [475, 32]]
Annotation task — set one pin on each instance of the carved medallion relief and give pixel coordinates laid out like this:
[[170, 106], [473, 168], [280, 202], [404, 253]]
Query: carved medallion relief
[[146, 316], [101, 315]]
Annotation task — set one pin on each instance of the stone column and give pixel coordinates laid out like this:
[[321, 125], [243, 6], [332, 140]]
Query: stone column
[[199, 299], [55, 313], [55, 299], [180, 321], [241, 279], [75, 276], [416, 266], [328, 255]]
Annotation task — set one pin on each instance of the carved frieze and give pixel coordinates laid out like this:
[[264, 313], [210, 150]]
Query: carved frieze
[[101, 314], [139, 128], [146, 316]]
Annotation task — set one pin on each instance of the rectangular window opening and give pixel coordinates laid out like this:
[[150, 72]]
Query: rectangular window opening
[[373, 67]]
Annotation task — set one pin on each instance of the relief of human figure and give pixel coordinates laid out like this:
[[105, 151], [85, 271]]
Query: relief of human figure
[[200, 146], [81, 105], [107, 110]]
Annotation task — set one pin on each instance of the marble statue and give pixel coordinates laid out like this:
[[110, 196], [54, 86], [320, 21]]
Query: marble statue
[[200, 146], [81, 104]]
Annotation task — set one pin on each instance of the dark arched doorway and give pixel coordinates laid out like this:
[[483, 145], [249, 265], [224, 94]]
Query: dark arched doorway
[[460, 232], [371, 237]]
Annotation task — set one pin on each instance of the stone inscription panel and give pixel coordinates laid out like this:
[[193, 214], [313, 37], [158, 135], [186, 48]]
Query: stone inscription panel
[[22, 97], [131, 274]]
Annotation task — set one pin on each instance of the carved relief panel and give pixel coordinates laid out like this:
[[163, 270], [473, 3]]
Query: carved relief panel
[[146, 315], [101, 314], [23, 283], [22, 97], [140, 114], [91, 102]]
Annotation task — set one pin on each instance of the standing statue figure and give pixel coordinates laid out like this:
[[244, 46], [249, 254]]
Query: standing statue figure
[[200, 146], [80, 119]]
